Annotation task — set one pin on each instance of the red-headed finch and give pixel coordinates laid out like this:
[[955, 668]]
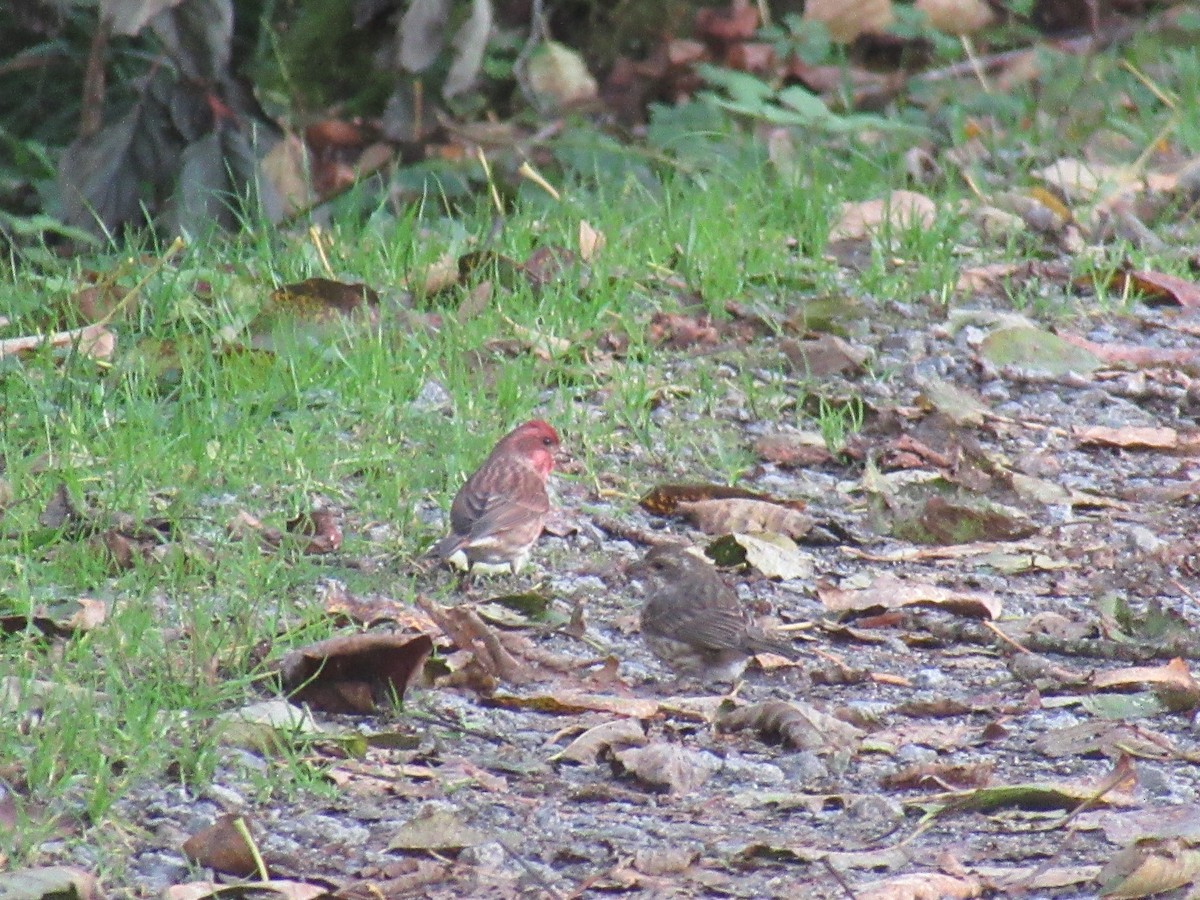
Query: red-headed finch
[[498, 514], [694, 622]]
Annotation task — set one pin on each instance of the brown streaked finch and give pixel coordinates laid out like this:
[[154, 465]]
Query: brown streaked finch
[[694, 622], [497, 515]]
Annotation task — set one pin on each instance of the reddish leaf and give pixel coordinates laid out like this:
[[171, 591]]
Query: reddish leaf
[[221, 846]]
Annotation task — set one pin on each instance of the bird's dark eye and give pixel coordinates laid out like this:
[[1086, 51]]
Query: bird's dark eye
[[548, 441]]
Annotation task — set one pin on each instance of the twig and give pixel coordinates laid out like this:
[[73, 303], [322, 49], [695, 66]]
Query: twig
[[994, 61], [837, 876], [625, 531], [91, 112], [1006, 639]]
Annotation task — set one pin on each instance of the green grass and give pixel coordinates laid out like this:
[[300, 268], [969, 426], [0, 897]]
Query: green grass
[[196, 436]]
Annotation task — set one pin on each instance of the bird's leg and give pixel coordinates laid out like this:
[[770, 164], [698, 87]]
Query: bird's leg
[[466, 582], [734, 688]]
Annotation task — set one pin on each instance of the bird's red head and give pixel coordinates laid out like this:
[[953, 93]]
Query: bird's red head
[[535, 441]]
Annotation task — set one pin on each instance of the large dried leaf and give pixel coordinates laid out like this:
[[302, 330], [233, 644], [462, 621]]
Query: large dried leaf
[[772, 554], [357, 673], [558, 76], [599, 739], [667, 767], [1149, 868], [664, 499], [795, 724], [222, 846], [48, 883], [1173, 682], [1156, 286], [1139, 437], [469, 632], [898, 212], [957, 16], [739, 514], [889, 592], [435, 828], [823, 356], [922, 886], [847, 19], [1034, 350], [572, 702], [267, 727]]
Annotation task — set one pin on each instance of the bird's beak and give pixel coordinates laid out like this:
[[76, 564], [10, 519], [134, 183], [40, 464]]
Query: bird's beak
[[563, 461]]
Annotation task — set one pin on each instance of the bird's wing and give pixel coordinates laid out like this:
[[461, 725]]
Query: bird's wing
[[708, 627], [512, 497]]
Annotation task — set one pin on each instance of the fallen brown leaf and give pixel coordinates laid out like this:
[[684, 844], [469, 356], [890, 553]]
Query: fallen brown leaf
[[356, 673], [889, 592], [222, 847]]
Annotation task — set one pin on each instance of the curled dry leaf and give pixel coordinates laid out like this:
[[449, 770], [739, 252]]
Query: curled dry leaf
[[664, 499], [356, 673], [738, 514], [469, 632], [680, 332], [283, 888], [1147, 868], [889, 592], [795, 724], [1132, 437], [589, 746], [222, 846], [847, 19], [1108, 738], [591, 241], [957, 16], [48, 882], [1137, 355], [899, 211], [323, 525], [1173, 682], [793, 450], [770, 553], [346, 607], [922, 886], [58, 619], [667, 767], [243, 525], [1157, 286]]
